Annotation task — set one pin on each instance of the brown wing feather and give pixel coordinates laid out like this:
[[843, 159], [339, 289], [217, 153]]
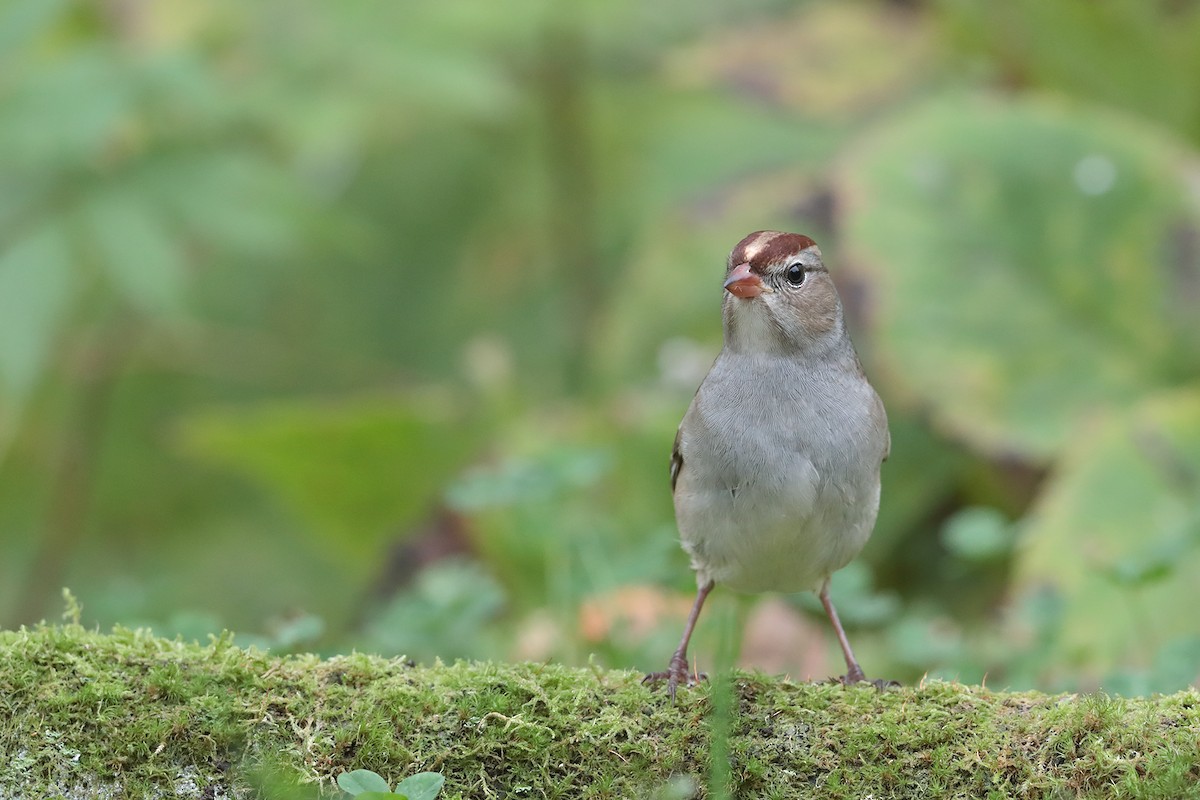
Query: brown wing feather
[[676, 459]]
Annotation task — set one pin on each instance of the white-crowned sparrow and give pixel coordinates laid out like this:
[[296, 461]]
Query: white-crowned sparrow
[[775, 470]]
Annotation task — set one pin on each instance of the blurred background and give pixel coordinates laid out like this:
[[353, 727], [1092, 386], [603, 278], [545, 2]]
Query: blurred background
[[368, 325]]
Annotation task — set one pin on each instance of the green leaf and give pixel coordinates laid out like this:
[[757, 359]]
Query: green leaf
[[234, 201], [137, 252], [978, 534], [355, 471], [1026, 261], [34, 291], [360, 781], [1115, 533], [422, 786], [64, 116]]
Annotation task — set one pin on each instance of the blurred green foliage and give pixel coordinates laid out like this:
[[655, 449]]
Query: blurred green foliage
[[1084, 299], [370, 324], [314, 460]]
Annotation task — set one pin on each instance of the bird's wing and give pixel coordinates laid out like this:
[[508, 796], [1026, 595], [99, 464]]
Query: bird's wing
[[881, 415], [676, 459]]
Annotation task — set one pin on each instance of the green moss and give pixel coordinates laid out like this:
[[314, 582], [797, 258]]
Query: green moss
[[127, 714]]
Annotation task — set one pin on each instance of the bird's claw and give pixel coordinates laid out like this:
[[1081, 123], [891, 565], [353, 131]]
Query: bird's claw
[[676, 674]]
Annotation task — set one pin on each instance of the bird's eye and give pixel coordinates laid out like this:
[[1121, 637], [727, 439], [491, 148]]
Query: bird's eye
[[795, 274]]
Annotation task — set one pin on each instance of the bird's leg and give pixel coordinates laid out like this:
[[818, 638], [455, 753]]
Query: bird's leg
[[677, 671], [854, 672]]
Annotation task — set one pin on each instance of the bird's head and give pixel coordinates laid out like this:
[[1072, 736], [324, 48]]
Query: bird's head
[[779, 296]]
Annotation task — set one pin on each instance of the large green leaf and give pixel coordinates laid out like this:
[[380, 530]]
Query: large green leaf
[[65, 114], [1116, 533], [138, 252], [354, 471], [422, 786], [361, 781], [1028, 263]]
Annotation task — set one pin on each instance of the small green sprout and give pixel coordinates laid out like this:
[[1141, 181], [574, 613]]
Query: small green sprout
[[363, 784]]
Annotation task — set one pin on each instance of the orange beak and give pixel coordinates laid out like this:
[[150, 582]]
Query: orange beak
[[745, 284]]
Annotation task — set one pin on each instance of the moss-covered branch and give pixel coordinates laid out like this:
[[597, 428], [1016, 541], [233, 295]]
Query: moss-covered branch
[[83, 713]]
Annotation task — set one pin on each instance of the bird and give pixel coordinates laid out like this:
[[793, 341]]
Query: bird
[[775, 470]]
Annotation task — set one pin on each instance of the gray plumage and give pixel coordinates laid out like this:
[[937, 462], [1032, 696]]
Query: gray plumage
[[776, 466]]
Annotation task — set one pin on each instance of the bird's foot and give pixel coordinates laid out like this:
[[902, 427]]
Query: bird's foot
[[676, 674]]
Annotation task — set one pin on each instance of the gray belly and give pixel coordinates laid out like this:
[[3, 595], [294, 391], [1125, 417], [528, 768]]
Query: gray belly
[[779, 488], [788, 532]]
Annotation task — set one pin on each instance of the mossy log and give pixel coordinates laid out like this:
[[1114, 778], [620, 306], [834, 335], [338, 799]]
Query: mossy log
[[126, 714]]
